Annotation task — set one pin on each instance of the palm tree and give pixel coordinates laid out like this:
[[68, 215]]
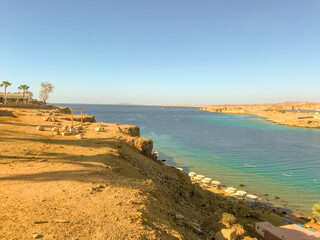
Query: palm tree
[[5, 84], [24, 88]]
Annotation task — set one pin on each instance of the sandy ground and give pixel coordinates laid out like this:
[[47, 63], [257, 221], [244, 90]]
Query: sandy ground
[[104, 186], [275, 112]]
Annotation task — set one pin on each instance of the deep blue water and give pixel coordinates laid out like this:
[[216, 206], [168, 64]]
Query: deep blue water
[[188, 137]]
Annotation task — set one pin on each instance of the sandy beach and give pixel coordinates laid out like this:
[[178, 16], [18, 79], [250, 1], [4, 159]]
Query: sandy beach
[[276, 113]]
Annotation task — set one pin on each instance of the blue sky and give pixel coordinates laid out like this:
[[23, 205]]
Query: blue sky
[[153, 52]]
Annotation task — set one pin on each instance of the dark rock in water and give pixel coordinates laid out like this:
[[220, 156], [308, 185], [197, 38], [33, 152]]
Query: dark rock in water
[[241, 185], [163, 160], [276, 197]]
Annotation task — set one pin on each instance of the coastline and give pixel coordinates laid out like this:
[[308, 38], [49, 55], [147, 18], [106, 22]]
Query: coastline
[[104, 183], [298, 116], [109, 165]]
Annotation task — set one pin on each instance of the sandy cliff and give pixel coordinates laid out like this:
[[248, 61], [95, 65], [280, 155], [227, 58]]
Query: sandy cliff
[[107, 185]]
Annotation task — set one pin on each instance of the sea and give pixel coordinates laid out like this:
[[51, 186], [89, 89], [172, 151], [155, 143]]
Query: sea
[[271, 161]]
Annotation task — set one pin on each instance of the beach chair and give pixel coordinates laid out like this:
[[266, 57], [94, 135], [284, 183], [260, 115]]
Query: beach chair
[[286, 220]]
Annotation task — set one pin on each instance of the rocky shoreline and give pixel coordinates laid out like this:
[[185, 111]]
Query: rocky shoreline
[[106, 184]]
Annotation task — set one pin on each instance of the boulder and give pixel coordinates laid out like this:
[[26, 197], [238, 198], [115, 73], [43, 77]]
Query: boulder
[[79, 136], [65, 128], [55, 129], [179, 216], [99, 129], [144, 145], [133, 131], [66, 134], [226, 234], [40, 128], [239, 229], [227, 219]]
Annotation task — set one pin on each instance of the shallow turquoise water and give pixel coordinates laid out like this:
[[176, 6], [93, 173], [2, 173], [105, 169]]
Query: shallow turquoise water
[[188, 138]]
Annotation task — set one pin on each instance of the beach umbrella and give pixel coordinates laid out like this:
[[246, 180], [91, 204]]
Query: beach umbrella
[[232, 188], [240, 193], [200, 176], [197, 178], [192, 174], [207, 179], [251, 196], [229, 191], [216, 182]]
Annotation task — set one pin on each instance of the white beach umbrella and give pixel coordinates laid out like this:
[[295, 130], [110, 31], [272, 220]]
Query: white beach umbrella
[[252, 196], [200, 176], [207, 179], [240, 193], [179, 168], [232, 188], [197, 178], [192, 174], [216, 182], [229, 191]]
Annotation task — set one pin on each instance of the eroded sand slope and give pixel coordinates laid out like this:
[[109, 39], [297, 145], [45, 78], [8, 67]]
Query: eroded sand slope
[[105, 186]]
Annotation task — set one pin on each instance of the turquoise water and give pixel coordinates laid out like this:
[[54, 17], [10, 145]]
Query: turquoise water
[[187, 137]]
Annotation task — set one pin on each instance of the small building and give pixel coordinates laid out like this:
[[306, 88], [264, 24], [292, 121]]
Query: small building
[[15, 97], [286, 232]]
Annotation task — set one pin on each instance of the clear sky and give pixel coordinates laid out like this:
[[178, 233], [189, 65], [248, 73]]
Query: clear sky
[[164, 51]]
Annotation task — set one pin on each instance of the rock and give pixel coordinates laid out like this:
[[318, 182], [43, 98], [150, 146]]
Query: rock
[[40, 128], [79, 128], [239, 229], [79, 136], [133, 131], [99, 129], [37, 236], [55, 129], [276, 197], [64, 110], [226, 234], [65, 128], [62, 221], [40, 222], [66, 134], [179, 216], [227, 219], [144, 145]]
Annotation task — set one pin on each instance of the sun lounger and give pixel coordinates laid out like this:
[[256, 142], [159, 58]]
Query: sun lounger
[[250, 207], [263, 207], [286, 220], [312, 230]]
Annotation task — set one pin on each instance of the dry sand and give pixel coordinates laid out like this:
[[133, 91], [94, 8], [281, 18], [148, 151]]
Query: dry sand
[[275, 112], [105, 186]]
